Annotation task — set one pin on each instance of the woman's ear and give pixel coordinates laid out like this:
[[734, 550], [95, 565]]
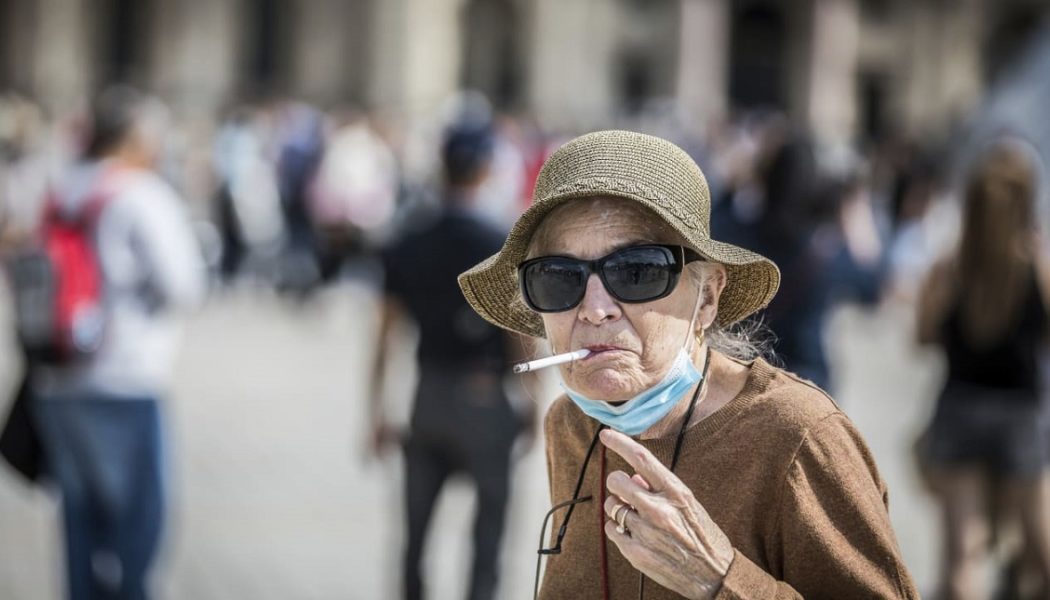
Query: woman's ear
[[712, 283]]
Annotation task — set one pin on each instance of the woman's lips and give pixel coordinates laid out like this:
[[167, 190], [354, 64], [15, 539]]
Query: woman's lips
[[598, 350]]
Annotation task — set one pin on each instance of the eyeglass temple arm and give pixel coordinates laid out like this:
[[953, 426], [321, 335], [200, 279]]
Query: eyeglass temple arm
[[576, 499], [556, 548]]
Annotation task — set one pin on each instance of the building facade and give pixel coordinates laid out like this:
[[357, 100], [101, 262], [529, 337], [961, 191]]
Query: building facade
[[845, 68]]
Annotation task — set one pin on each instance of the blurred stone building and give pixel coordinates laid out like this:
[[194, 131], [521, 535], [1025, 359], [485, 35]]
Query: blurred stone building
[[847, 68]]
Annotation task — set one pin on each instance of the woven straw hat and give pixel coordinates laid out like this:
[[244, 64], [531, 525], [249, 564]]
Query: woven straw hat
[[649, 170]]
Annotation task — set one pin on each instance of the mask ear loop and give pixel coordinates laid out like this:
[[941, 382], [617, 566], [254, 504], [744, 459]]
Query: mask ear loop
[[690, 333]]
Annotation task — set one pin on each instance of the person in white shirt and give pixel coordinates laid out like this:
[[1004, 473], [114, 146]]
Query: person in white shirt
[[100, 419]]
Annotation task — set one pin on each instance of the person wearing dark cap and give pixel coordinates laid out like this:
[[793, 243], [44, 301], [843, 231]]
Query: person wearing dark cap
[[462, 421]]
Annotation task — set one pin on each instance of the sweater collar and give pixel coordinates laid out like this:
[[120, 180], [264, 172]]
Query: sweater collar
[[757, 382]]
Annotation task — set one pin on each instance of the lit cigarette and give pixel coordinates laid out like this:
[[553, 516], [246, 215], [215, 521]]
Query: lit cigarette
[[550, 361]]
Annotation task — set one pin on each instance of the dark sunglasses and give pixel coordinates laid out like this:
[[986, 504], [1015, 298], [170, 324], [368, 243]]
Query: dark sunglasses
[[633, 275]]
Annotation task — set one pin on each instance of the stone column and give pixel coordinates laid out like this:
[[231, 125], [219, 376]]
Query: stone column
[[917, 61], [799, 23], [416, 55], [492, 49], [570, 62], [942, 64], [961, 71], [330, 53], [62, 53], [194, 54], [17, 30], [832, 89], [703, 59], [384, 80]]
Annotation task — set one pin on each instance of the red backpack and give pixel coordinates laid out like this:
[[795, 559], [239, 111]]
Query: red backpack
[[58, 282]]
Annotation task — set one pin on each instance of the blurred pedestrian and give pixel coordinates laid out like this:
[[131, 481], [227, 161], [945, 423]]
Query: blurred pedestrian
[[985, 306], [913, 242], [24, 176], [501, 195], [99, 413], [299, 146], [353, 195], [248, 203], [25, 169], [462, 421], [821, 233]]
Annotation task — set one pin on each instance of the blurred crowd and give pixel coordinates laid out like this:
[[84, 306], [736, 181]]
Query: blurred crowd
[[293, 197], [284, 192], [289, 191]]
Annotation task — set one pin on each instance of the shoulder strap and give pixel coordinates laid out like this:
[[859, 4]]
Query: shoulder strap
[[110, 184], [105, 187]]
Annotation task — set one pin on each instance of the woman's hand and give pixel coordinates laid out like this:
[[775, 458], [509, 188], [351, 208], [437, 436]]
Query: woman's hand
[[669, 536]]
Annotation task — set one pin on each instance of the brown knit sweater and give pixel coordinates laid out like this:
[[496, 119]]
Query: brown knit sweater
[[780, 469]]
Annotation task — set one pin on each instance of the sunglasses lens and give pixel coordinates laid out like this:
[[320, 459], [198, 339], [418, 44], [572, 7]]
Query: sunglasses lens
[[554, 284], [639, 274]]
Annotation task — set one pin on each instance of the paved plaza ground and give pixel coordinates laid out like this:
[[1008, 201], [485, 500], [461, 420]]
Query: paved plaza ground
[[273, 498]]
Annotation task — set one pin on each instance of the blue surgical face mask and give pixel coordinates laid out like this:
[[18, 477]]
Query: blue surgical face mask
[[647, 408]]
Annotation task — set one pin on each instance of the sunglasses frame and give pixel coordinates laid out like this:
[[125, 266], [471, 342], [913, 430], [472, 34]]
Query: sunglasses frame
[[680, 256]]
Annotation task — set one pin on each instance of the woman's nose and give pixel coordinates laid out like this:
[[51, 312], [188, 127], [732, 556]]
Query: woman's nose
[[598, 306]]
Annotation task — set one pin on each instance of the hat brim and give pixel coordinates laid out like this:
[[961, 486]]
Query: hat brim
[[491, 287]]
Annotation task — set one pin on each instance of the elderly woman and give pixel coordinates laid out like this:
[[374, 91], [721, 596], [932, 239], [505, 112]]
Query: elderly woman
[[715, 477]]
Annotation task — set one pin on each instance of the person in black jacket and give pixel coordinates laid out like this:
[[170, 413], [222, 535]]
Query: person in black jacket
[[462, 420]]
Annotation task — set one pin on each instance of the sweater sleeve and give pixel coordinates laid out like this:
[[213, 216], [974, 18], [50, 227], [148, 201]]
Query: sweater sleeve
[[832, 537], [747, 581]]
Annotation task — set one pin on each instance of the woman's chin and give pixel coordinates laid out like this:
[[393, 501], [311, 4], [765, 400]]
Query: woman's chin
[[610, 387]]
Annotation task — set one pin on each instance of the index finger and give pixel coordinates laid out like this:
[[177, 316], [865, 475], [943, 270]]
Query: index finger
[[659, 477]]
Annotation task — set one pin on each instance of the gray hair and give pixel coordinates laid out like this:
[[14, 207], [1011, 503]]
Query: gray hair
[[746, 340]]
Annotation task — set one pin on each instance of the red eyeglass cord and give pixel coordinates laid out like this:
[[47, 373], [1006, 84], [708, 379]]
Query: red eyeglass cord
[[602, 551]]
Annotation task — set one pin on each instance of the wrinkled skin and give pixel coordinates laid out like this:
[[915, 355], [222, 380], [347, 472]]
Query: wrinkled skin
[[647, 336], [670, 537]]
